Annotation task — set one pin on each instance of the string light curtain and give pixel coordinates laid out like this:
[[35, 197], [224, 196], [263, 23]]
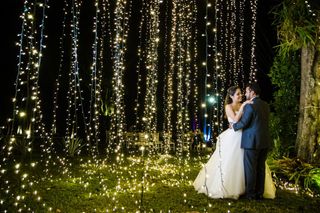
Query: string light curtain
[[76, 115], [27, 117], [100, 36], [228, 41], [26, 125], [180, 82], [121, 28], [57, 88], [152, 42]]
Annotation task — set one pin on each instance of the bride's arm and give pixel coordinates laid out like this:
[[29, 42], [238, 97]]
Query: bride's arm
[[239, 114], [236, 116]]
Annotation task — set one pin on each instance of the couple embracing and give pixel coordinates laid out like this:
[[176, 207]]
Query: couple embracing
[[237, 168]]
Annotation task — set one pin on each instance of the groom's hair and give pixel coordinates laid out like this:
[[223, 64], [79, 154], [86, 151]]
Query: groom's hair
[[254, 87]]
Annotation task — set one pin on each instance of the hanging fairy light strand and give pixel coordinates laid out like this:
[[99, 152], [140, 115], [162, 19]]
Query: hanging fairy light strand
[[233, 44], [141, 59], [224, 42], [27, 117], [310, 10], [150, 102], [183, 75], [178, 78], [229, 32], [118, 52], [61, 63], [34, 66], [95, 86], [168, 129], [99, 76], [253, 60], [165, 66], [109, 25], [72, 91], [215, 75], [74, 96], [212, 78], [240, 61], [221, 63], [115, 146], [41, 126], [148, 30], [8, 148], [205, 64], [192, 71], [194, 74]]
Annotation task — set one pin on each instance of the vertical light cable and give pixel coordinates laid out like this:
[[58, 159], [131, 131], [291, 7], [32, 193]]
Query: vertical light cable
[[253, 60]]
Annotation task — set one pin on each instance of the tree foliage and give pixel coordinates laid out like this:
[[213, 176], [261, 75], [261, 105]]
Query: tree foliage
[[285, 76], [296, 26], [298, 29]]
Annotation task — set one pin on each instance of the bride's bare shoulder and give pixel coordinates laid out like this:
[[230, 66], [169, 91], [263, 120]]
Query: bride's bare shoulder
[[228, 106], [229, 109]]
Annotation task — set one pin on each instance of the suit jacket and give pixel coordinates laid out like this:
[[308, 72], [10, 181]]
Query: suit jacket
[[255, 125]]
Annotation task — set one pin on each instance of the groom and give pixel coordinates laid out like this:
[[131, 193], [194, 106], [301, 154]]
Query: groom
[[255, 141]]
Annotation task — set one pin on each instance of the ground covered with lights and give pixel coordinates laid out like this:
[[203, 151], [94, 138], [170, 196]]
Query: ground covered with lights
[[161, 183]]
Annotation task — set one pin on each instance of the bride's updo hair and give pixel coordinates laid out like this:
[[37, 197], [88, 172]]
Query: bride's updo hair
[[230, 92]]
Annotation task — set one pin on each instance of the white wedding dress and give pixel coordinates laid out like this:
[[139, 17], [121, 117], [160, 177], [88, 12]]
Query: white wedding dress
[[223, 175]]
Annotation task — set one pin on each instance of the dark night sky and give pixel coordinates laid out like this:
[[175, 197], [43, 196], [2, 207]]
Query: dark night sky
[[11, 26]]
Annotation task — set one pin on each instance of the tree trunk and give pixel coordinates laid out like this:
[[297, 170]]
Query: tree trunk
[[308, 134]]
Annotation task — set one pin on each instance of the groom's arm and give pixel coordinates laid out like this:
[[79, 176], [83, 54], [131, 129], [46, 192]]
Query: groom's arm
[[245, 119]]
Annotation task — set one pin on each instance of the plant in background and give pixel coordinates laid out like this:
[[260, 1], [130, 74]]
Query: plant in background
[[73, 146], [315, 180], [21, 145], [285, 76], [296, 26], [107, 108], [304, 176]]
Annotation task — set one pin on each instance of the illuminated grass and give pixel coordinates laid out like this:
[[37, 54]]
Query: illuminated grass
[[108, 187]]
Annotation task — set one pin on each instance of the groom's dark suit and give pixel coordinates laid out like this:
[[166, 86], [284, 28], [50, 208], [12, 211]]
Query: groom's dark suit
[[256, 142]]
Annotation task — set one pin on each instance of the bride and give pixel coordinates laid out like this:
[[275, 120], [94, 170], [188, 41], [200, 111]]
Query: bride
[[223, 175]]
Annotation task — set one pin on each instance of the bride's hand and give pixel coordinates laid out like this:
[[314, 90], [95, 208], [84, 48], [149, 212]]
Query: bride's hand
[[245, 103], [248, 102]]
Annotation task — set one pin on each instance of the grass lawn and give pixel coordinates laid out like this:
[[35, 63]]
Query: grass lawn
[[160, 183]]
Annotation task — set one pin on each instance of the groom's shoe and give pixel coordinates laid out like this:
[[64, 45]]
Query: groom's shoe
[[247, 197], [250, 197], [259, 197]]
